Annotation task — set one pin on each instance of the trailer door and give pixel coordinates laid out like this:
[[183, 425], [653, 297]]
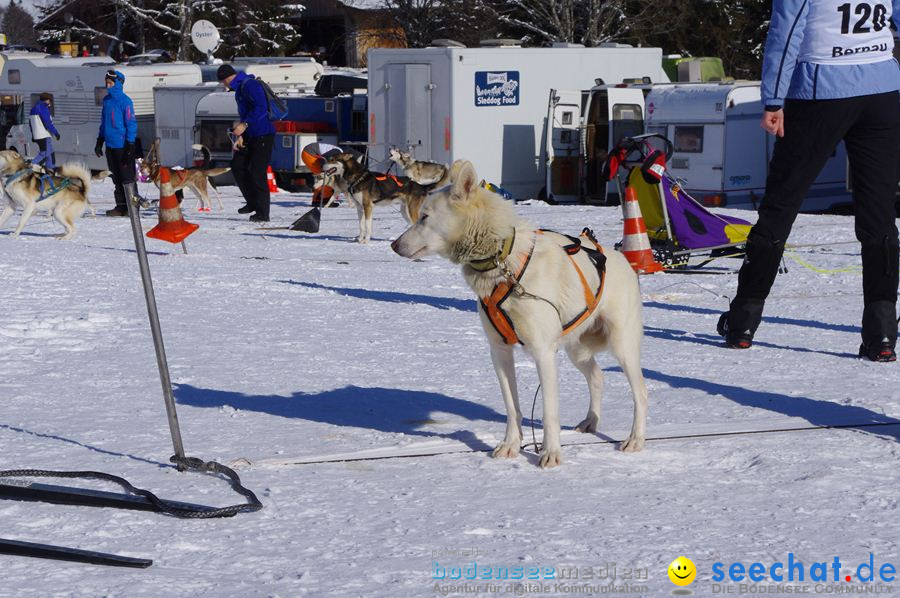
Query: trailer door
[[564, 146], [408, 101], [613, 113]]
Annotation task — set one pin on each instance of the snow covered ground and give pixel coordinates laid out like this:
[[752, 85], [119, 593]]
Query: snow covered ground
[[288, 347]]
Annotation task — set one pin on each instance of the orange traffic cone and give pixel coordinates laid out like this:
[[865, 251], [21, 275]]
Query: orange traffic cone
[[172, 226], [635, 242], [270, 178]]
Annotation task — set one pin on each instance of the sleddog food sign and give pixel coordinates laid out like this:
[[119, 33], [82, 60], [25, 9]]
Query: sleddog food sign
[[497, 88]]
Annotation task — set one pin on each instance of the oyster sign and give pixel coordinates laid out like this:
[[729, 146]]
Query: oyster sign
[[497, 88]]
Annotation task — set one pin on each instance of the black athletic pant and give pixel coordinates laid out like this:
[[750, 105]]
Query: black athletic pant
[[121, 171], [870, 128], [249, 168]]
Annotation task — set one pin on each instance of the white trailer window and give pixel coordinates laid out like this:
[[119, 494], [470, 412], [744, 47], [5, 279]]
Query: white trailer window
[[99, 94], [689, 139], [15, 76], [628, 121]]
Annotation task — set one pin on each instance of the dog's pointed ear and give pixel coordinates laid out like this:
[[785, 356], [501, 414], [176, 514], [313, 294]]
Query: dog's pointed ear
[[465, 182]]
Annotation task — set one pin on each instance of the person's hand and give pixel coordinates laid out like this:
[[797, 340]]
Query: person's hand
[[773, 122], [238, 144], [98, 149], [239, 129], [57, 136]]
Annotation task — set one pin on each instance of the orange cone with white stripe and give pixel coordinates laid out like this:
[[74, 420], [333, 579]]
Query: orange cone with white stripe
[[270, 178], [172, 226], [635, 242]]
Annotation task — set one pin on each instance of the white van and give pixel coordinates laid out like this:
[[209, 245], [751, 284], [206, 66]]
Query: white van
[[721, 152], [581, 128], [77, 87]]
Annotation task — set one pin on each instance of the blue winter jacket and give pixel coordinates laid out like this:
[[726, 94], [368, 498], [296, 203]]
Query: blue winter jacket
[[43, 110], [828, 49], [118, 124], [252, 104]]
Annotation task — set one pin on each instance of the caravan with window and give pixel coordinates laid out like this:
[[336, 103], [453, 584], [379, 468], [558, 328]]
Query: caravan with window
[[721, 154], [77, 89]]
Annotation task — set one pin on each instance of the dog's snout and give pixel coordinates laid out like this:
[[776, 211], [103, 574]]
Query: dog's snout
[[396, 246]]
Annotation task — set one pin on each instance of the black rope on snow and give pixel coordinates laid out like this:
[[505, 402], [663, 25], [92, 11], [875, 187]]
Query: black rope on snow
[[185, 463]]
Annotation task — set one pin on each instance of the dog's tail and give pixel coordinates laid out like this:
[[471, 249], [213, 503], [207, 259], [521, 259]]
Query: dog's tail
[[211, 172], [214, 172], [79, 176]]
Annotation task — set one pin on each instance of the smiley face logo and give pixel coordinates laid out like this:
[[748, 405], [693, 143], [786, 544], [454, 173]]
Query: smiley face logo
[[682, 571]]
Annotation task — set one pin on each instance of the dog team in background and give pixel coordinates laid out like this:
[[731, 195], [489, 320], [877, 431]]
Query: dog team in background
[[545, 290]]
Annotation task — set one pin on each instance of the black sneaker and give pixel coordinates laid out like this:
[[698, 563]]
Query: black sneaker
[[734, 340], [117, 212], [246, 210], [258, 218], [880, 351]]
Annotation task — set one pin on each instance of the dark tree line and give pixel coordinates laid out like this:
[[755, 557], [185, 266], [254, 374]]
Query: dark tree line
[[733, 30]]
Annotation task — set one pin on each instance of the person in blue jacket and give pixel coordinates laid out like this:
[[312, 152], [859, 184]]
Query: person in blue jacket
[[255, 136], [118, 129], [41, 110], [829, 75]]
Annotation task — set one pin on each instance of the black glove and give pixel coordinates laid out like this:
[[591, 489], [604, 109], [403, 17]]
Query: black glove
[[57, 136], [128, 155], [98, 149]]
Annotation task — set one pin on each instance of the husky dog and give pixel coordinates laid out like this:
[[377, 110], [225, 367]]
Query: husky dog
[[65, 193], [424, 173], [543, 290], [195, 179], [367, 189]]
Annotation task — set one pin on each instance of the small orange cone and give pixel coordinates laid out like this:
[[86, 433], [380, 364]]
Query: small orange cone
[[172, 226], [270, 178], [635, 242]]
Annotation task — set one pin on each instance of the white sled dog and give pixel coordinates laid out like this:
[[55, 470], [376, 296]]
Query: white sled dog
[[65, 195], [543, 290]]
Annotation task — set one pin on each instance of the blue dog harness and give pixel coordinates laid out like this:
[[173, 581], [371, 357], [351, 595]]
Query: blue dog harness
[[48, 187]]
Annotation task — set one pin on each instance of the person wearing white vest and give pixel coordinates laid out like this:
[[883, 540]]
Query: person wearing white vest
[[829, 75], [41, 129]]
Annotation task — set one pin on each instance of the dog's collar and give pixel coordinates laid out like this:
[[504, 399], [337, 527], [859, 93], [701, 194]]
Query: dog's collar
[[486, 264], [16, 175]]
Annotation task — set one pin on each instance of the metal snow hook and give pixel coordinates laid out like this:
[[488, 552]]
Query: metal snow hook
[[161, 362]]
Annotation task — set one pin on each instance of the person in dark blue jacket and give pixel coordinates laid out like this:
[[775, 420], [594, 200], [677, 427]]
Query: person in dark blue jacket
[[255, 136], [118, 129], [829, 75], [42, 130]]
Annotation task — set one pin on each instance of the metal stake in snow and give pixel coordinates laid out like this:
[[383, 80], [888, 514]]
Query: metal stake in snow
[[161, 362]]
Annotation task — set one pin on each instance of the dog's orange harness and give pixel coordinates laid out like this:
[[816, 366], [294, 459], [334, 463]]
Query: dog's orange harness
[[493, 303]]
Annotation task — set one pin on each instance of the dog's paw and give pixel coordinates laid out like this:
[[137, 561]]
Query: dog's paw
[[550, 458], [588, 425], [506, 450], [631, 444]]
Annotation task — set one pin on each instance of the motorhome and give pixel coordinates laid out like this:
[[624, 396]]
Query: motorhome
[[77, 88], [720, 151], [486, 104]]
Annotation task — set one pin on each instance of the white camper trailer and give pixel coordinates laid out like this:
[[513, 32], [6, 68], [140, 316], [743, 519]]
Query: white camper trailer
[[176, 120], [488, 104], [78, 89], [721, 152], [300, 72]]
